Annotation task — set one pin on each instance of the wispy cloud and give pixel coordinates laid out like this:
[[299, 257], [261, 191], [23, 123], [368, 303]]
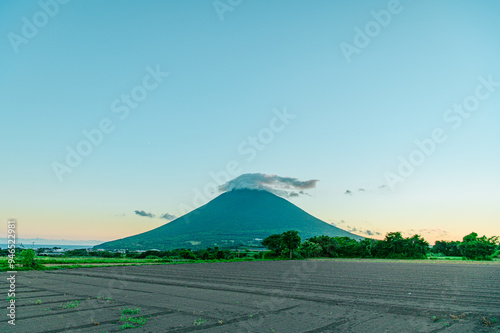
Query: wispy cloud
[[167, 216], [361, 190], [372, 233], [144, 214], [355, 229]]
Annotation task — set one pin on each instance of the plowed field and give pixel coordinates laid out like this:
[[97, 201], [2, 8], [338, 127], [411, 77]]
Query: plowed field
[[268, 296]]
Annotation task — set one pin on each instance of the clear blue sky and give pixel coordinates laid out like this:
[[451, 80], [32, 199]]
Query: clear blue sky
[[354, 115]]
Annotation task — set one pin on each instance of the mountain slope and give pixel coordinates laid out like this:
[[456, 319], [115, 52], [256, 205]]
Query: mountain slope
[[234, 217]]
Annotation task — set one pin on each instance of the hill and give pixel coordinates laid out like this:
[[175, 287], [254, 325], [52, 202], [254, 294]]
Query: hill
[[234, 218]]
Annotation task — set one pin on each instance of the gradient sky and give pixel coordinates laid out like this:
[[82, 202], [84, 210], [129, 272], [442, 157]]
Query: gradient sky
[[231, 69]]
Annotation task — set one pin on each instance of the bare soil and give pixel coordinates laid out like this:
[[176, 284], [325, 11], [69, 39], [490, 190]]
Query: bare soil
[[269, 296]]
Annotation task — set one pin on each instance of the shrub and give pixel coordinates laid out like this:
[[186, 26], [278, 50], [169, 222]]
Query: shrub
[[27, 259]]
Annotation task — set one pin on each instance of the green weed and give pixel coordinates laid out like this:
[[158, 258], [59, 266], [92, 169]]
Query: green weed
[[132, 322], [70, 305], [200, 321], [131, 311], [125, 326]]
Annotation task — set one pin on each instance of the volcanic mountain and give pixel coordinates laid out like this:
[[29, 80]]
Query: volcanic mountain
[[234, 218]]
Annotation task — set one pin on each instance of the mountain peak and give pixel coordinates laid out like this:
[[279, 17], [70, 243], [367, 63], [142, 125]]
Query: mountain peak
[[239, 216]]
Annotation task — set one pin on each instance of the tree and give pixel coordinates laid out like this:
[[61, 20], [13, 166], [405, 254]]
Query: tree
[[476, 248], [287, 241], [396, 246], [273, 243], [348, 247], [220, 254], [366, 247], [205, 255], [328, 245], [310, 249], [470, 237], [291, 240], [187, 254], [416, 247], [447, 248]]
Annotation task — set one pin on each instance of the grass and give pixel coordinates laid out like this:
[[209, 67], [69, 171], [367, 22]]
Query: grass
[[89, 262], [436, 257], [132, 322], [69, 305], [200, 321], [489, 322], [130, 311], [125, 326], [129, 321]]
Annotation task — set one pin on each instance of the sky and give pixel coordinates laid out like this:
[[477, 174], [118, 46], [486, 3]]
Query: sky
[[118, 116]]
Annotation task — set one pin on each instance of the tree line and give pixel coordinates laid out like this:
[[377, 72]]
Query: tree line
[[393, 246], [209, 253]]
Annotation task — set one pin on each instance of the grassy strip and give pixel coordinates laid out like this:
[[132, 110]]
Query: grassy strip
[[87, 260], [116, 262], [82, 264]]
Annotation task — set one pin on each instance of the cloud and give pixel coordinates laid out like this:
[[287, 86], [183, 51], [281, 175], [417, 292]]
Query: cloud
[[382, 189], [283, 186], [143, 213], [432, 231], [360, 231], [168, 216], [337, 223]]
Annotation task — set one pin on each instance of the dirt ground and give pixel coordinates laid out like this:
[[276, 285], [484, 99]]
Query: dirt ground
[[270, 296]]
